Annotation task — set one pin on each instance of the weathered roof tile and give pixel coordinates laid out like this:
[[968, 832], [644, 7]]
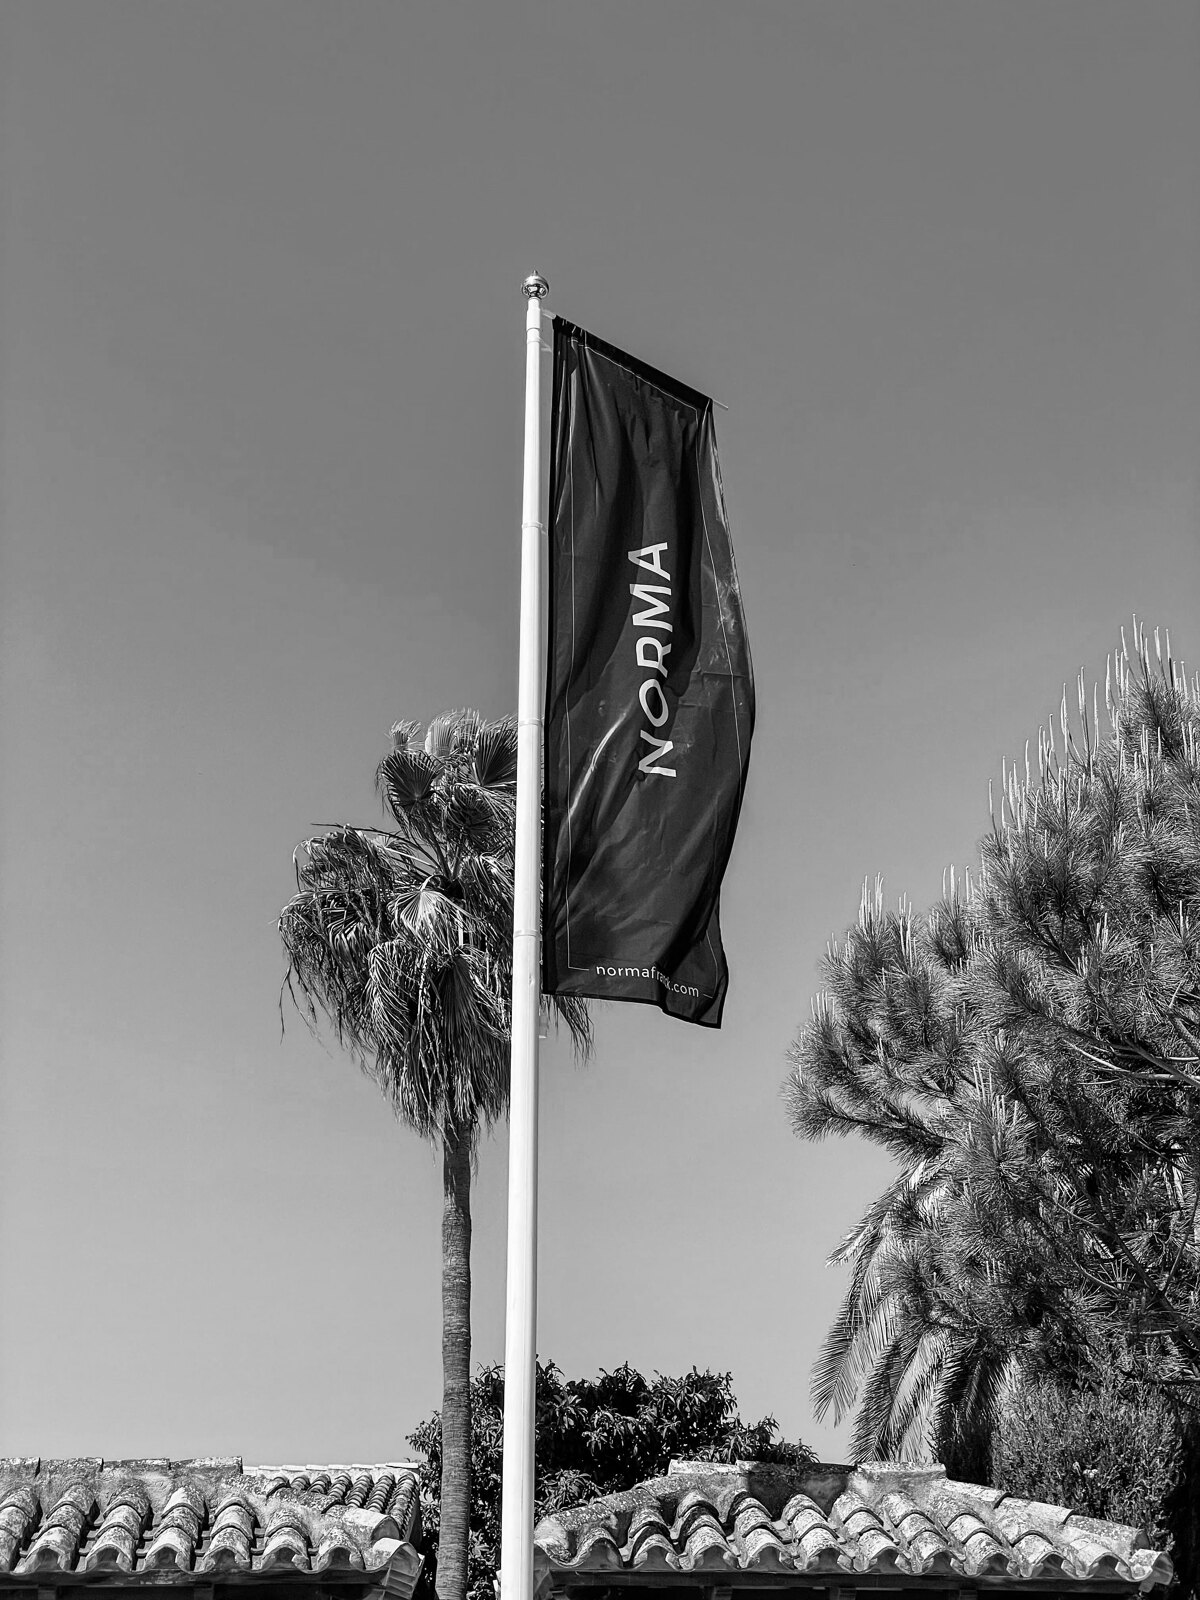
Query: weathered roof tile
[[598, 1548], [150, 1519], [114, 1547], [762, 1550], [876, 1520]]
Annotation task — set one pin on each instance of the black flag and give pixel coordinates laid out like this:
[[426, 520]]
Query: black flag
[[649, 692]]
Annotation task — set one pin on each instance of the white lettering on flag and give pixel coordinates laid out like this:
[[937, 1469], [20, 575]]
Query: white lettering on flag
[[651, 689], [659, 747], [647, 644], [652, 653], [638, 557], [645, 593]]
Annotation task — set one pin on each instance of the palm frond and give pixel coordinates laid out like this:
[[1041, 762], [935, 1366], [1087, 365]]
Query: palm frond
[[405, 735], [404, 778], [402, 940], [452, 733], [495, 757]]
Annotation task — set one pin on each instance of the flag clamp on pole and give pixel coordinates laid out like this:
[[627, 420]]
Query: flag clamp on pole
[[520, 1328]]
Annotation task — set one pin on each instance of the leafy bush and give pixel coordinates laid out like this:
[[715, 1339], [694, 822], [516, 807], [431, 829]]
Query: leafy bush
[[1115, 1450], [594, 1436]]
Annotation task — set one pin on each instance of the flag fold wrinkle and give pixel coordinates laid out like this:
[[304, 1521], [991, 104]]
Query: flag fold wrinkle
[[649, 688]]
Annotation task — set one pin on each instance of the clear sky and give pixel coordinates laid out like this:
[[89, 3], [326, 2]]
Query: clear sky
[[260, 408]]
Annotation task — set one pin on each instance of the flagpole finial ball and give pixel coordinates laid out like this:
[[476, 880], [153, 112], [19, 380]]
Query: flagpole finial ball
[[535, 287]]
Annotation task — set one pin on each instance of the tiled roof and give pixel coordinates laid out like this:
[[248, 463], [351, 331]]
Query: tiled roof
[[153, 1520], [875, 1522]]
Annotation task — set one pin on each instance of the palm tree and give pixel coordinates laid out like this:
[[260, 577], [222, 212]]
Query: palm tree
[[401, 938], [909, 1349]]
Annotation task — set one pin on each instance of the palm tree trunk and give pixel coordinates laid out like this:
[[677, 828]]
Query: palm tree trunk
[[456, 1366]]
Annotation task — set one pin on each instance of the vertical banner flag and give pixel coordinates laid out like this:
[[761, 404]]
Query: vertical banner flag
[[649, 690]]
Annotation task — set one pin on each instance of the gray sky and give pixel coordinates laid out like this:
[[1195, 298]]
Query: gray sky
[[260, 409]]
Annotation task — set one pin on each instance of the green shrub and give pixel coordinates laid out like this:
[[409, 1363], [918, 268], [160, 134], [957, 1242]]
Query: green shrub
[[595, 1436], [1117, 1450]]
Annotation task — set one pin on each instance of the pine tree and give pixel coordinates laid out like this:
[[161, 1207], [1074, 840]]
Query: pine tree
[[1029, 1051]]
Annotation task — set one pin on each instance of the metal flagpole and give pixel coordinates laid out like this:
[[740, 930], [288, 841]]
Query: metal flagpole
[[520, 1328]]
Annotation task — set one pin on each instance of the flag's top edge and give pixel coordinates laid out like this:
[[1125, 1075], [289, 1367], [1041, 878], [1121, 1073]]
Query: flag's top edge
[[641, 370]]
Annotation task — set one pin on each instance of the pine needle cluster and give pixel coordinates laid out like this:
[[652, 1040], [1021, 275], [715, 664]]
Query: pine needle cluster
[[1029, 1052]]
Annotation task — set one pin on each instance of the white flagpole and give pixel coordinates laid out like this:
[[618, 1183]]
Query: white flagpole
[[520, 1328]]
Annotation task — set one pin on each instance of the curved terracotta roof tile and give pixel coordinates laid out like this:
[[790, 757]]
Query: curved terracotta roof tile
[[599, 1549], [114, 1548], [286, 1547], [878, 1520], [406, 1503], [694, 1518], [1151, 1567], [654, 1516], [762, 1550], [804, 1516], [381, 1494], [232, 1536], [647, 1553], [18, 1513], [983, 1555], [99, 1520], [930, 1557], [337, 1553], [707, 1550], [360, 1489], [57, 1540]]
